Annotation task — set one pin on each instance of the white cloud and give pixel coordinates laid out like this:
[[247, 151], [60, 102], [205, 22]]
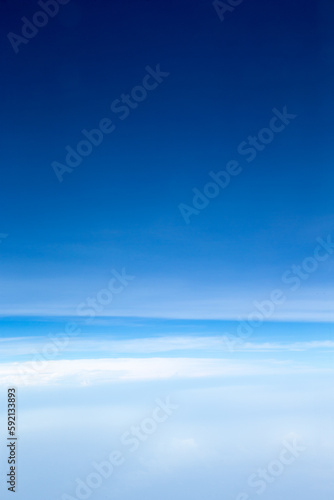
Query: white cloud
[[81, 347], [96, 371]]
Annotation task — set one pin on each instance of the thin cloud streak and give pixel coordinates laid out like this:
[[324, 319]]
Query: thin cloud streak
[[22, 346], [81, 372]]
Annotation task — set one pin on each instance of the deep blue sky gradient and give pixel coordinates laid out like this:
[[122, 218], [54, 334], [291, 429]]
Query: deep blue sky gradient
[[119, 208]]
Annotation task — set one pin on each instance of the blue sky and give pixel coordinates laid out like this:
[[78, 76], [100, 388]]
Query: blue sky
[[119, 208], [228, 311]]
